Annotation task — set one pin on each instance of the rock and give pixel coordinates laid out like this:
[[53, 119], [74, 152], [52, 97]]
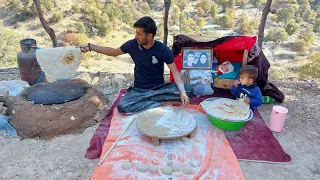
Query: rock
[[86, 77], [4, 93], [104, 81], [13, 87], [106, 91], [118, 80], [95, 81], [128, 84]]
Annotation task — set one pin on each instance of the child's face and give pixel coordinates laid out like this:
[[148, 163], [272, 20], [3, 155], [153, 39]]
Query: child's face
[[245, 79]]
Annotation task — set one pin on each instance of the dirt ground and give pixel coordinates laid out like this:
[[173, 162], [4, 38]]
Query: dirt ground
[[63, 157]]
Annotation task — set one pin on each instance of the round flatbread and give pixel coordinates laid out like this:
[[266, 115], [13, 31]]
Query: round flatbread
[[227, 109], [59, 62]]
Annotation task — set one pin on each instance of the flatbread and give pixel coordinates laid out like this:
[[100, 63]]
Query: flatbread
[[166, 122], [59, 62], [227, 109]]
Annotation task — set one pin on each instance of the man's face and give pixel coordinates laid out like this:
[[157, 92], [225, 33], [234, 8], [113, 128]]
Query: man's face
[[141, 37], [245, 79], [190, 58], [203, 59]]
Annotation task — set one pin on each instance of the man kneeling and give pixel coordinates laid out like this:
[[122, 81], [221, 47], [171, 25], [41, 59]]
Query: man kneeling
[[149, 56]]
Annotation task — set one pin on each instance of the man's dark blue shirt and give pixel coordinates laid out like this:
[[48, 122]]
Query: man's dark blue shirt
[[149, 63]]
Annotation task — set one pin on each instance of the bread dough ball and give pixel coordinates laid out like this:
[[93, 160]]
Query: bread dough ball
[[187, 170], [176, 167], [153, 169], [126, 165], [142, 167], [167, 170], [194, 163]]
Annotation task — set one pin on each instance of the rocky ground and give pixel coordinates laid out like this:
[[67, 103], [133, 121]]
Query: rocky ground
[[63, 157]]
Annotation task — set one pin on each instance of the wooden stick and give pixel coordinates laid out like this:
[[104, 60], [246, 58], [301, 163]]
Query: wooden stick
[[114, 144]]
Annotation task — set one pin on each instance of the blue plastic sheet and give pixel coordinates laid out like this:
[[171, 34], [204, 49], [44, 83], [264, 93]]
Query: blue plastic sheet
[[4, 125]]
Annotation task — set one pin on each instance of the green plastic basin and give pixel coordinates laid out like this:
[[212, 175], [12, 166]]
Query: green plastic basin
[[226, 125]]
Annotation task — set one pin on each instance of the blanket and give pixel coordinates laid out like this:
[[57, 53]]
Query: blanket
[[209, 147]]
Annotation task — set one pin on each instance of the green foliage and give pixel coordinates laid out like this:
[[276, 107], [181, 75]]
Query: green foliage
[[316, 27], [183, 21], [105, 26], [226, 4], [114, 12], [246, 26], [300, 46], [305, 11], [307, 35], [242, 3], [201, 22], [175, 15], [200, 12], [285, 15], [75, 8], [127, 16], [47, 5], [257, 3], [9, 47], [146, 8], [80, 28], [311, 69], [182, 4], [214, 10], [277, 35], [56, 17], [291, 28], [226, 21], [160, 31], [74, 39], [205, 5]]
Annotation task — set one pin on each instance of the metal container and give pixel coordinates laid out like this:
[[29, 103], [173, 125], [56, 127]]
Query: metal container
[[29, 68]]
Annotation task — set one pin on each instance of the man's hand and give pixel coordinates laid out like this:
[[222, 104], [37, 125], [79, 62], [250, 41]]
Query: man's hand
[[247, 100], [235, 83], [185, 100], [84, 48]]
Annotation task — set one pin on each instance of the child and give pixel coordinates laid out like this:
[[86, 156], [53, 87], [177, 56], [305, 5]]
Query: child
[[247, 87]]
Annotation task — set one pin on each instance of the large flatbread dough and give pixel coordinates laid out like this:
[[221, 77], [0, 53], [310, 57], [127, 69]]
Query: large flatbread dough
[[166, 122], [59, 62], [228, 109]]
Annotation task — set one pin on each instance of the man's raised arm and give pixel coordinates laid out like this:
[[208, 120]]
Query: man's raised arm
[[100, 49]]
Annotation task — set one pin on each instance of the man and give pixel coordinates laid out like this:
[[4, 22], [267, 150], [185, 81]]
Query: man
[[190, 59], [149, 56]]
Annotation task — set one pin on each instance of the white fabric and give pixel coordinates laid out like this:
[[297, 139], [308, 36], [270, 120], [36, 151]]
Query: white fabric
[[59, 62]]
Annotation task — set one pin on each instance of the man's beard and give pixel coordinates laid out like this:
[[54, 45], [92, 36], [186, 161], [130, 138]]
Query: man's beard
[[144, 42]]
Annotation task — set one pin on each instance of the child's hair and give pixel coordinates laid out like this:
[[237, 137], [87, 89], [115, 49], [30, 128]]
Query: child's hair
[[251, 70]]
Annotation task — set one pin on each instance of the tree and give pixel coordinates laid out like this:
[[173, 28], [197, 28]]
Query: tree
[[182, 4], [263, 21], [286, 15], [167, 4], [205, 5], [45, 25], [214, 10], [277, 35]]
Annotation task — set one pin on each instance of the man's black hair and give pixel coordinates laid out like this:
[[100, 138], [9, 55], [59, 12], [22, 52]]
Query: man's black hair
[[147, 24], [190, 52]]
